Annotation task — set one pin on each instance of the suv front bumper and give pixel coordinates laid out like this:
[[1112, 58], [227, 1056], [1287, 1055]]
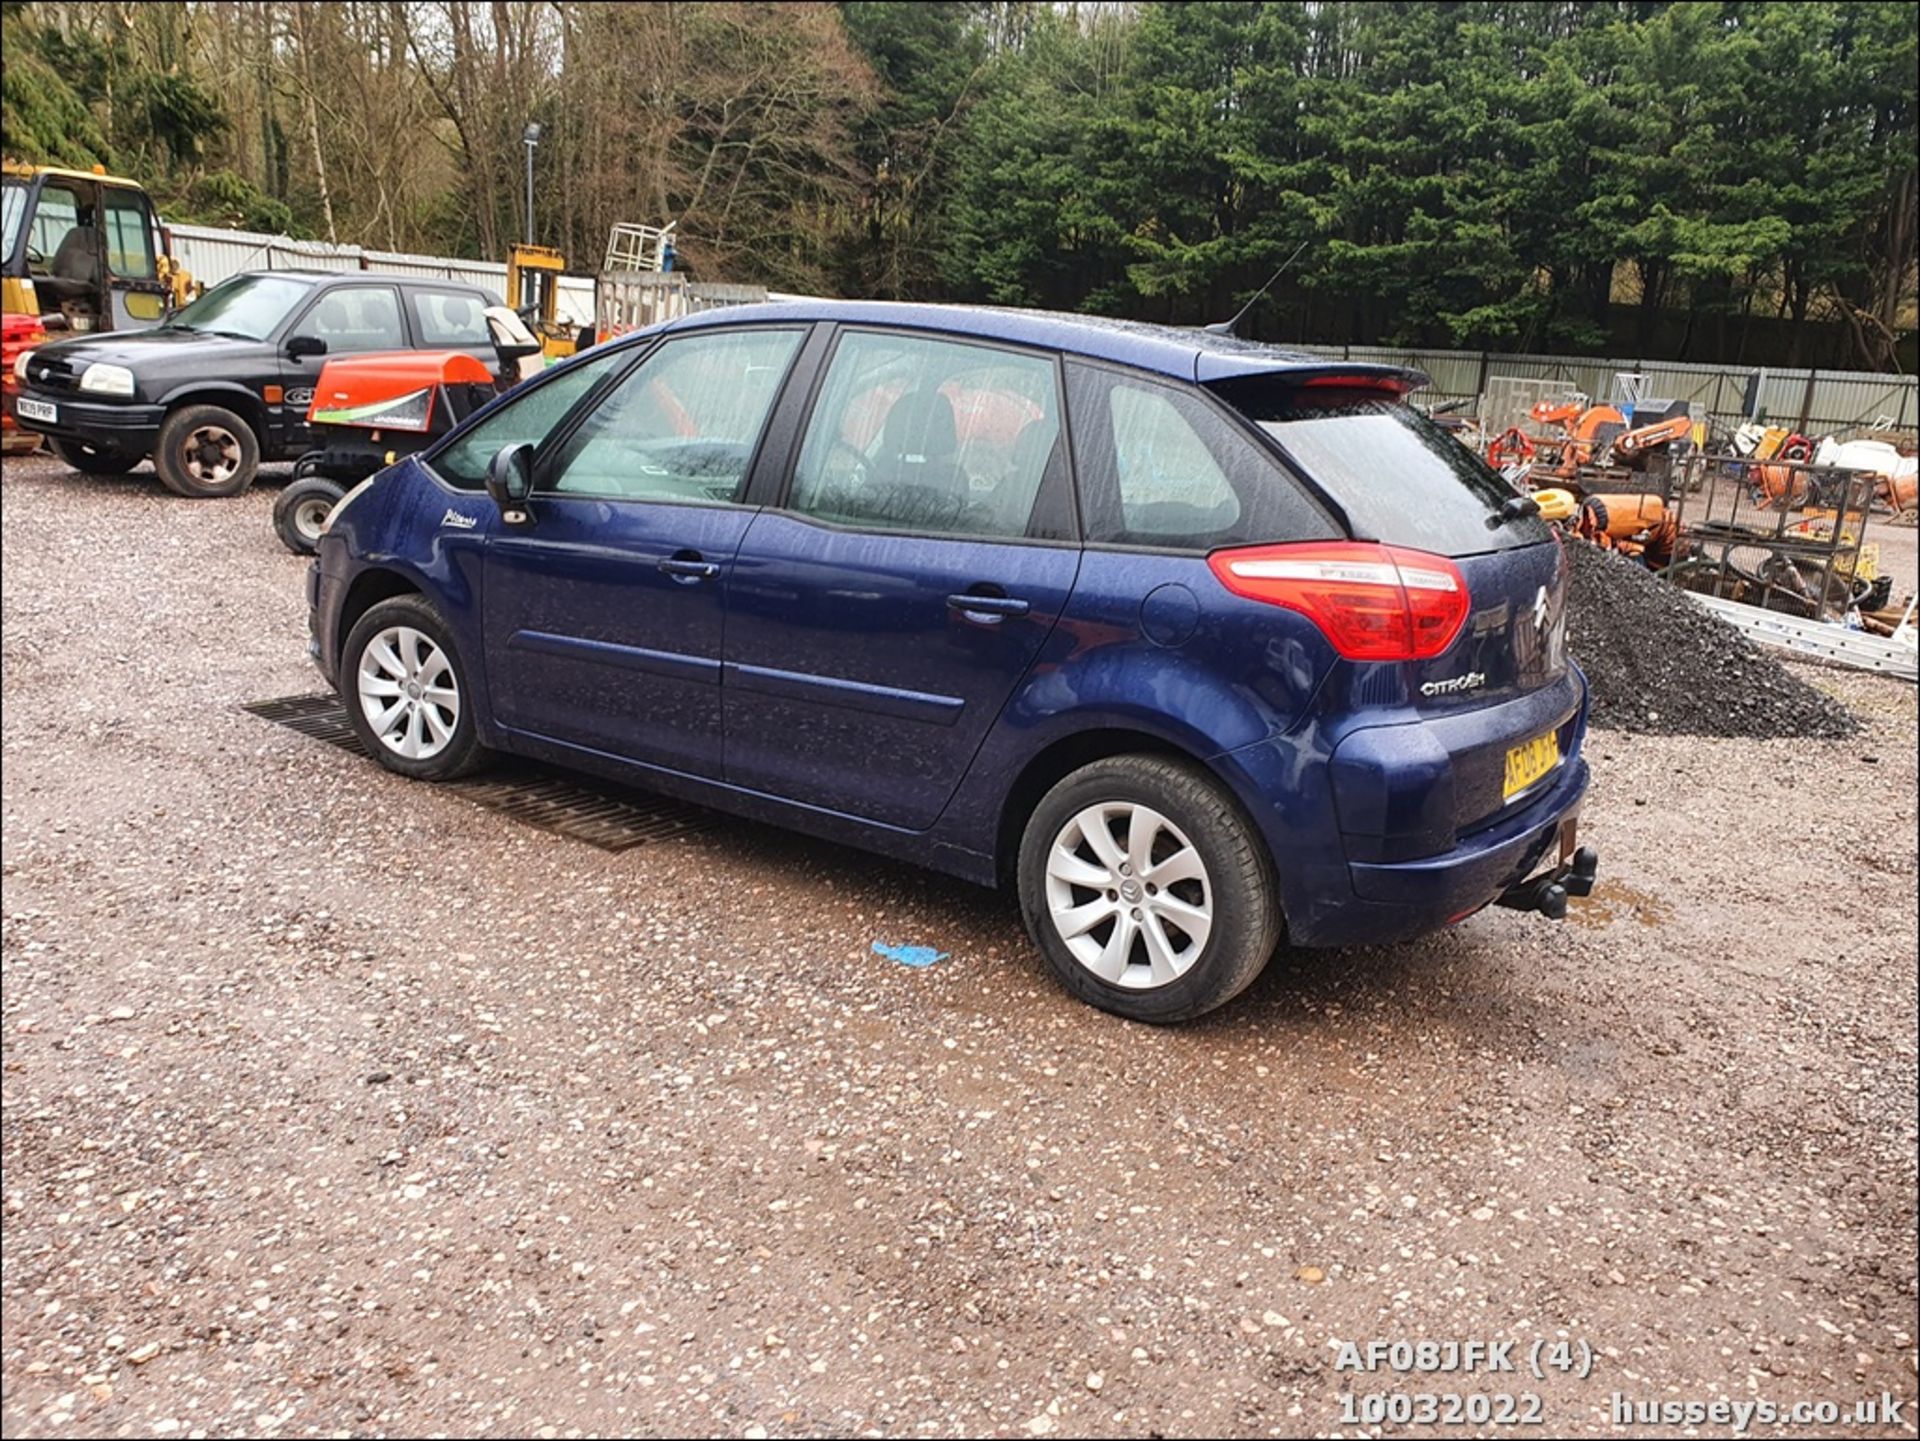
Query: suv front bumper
[[131, 429]]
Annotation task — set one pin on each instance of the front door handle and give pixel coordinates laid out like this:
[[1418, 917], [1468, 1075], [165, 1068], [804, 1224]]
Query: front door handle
[[689, 567], [988, 604]]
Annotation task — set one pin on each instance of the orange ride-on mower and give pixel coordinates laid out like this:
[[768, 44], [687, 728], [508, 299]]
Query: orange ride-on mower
[[370, 410]]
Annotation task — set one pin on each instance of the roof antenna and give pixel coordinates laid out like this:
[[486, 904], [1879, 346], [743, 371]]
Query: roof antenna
[[1232, 327]]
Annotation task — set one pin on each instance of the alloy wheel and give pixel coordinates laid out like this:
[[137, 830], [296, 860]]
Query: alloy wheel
[[1129, 895], [408, 692]]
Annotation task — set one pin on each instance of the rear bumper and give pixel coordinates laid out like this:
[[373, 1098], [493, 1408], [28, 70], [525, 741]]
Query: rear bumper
[[1411, 897], [1337, 890], [131, 429]]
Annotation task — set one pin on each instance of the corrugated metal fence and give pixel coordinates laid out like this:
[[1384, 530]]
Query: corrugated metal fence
[[212, 255], [1819, 402]]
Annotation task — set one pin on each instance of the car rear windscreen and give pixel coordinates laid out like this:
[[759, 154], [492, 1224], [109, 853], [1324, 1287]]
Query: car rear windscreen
[[1399, 477]]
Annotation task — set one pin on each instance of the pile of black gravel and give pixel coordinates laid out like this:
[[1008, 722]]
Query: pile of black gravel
[[1660, 664]]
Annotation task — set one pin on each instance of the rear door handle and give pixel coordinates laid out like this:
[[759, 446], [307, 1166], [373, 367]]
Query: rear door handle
[[988, 604], [689, 568]]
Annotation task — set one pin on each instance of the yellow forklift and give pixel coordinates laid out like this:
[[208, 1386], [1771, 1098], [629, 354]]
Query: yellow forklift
[[533, 291]]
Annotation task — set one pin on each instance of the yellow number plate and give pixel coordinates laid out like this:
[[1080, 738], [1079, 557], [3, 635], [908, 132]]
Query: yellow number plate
[[1527, 763]]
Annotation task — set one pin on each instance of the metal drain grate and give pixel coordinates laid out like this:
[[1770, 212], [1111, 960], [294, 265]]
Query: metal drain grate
[[610, 818]]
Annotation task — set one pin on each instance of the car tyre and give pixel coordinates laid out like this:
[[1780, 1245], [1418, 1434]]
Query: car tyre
[[91, 460], [206, 451], [300, 513], [1173, 912], [408, 694]]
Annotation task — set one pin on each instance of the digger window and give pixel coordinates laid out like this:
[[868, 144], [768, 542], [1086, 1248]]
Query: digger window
[[129, 236], [55, 215]]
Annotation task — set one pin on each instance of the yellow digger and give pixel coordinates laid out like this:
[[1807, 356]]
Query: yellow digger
[[81, 251]]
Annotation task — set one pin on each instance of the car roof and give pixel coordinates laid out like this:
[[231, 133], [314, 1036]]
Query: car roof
[[1176, 351], [348, 277]]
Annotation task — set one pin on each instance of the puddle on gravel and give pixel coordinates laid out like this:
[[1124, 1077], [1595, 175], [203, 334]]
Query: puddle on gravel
[[1615, 901]]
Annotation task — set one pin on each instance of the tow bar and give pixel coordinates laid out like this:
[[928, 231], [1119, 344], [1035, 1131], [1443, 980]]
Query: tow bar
[[1547, 892]]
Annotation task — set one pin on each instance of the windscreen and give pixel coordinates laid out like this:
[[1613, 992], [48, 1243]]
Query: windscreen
[[247, 307], [1399, 477]]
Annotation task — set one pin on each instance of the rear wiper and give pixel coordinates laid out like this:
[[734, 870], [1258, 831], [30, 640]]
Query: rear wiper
[[1518, 507]]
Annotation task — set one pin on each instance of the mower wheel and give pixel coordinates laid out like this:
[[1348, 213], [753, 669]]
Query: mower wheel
[[206, 451], [302, 510], [87, 459]]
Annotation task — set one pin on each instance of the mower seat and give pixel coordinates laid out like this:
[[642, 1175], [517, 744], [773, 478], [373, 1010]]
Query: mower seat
[[519, 352]]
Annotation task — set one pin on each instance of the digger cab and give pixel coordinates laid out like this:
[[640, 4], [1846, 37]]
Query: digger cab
[[83, 251]]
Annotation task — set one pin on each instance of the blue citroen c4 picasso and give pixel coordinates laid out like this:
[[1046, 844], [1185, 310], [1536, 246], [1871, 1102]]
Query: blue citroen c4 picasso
[[1197, 644]]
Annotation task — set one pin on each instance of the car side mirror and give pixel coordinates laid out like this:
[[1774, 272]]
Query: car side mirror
[[510, 482], [303, 345]]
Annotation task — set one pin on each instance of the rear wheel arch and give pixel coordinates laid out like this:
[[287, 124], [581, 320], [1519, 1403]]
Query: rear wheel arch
[[1054, 764]]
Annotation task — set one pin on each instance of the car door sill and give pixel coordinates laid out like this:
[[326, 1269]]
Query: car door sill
[[722, 795]]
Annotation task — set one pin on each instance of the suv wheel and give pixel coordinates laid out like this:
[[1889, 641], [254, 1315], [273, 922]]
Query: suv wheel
[[93, 461], [205, 451], [406, 692], [1147, 890]]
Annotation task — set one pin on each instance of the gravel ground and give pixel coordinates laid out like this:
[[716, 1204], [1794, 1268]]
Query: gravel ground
[[336, 1105]]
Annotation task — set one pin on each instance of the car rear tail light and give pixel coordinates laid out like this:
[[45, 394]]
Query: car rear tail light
[[1374, 602]]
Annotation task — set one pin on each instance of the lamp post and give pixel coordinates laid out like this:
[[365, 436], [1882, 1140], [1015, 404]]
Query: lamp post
[[530, 137]]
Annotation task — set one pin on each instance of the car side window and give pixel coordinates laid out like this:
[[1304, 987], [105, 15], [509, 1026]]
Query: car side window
[[929, 436], [1158, 466], [449, 318], [681, 427], [528, 416], [354, 318]]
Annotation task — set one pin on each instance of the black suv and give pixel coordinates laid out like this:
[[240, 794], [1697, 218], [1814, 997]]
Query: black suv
[[224, 384]]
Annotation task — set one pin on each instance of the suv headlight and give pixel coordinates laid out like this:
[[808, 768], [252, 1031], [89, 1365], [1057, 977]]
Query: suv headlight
[[20, 366], [107, 380]]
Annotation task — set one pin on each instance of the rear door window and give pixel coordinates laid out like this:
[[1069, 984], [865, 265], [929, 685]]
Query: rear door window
[[1399, 477], [449, 318], [1159, 466], [933, 437]]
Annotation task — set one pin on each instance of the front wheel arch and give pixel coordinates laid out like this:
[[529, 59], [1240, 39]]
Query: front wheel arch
[[369, 588]]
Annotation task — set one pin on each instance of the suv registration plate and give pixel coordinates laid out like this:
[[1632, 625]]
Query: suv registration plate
[[36, 410]]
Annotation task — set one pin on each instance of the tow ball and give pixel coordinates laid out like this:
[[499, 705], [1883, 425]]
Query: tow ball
[[1547, 892]]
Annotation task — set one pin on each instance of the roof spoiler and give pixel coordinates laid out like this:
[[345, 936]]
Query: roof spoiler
[[1211, 368]]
